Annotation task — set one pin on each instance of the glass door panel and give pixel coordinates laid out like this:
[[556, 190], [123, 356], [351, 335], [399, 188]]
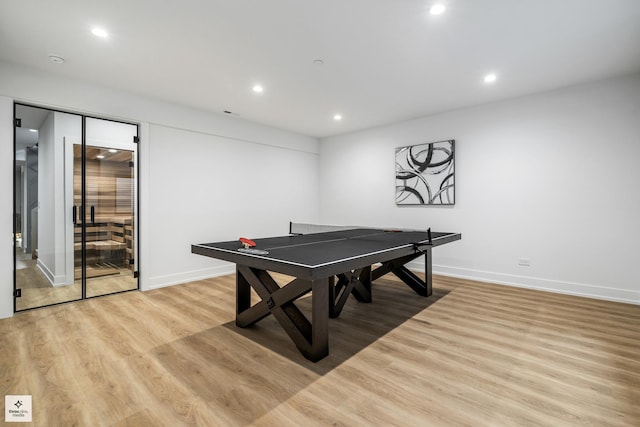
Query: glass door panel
[[110, 207], [44, 272]]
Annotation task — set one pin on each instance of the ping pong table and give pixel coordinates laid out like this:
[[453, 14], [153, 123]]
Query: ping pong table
[[316, 260]]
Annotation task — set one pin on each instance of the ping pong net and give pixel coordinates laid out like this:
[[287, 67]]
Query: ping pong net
[[299, 228], [303, 228]]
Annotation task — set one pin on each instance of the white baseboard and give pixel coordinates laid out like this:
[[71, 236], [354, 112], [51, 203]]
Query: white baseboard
[[557, 286], [55, 281], [157, 282], [46, 272]]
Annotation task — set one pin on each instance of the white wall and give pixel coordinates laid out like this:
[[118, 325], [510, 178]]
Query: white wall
[[46, 241], [550, 177], [6, 213], [66, 126], [188, 168], [98, 130], [205, 188], [55, 250]]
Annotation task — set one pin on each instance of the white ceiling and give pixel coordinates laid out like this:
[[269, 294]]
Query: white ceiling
[[384, 60]]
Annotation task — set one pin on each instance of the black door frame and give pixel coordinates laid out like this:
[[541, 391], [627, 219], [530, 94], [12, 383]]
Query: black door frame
[[136, 225]]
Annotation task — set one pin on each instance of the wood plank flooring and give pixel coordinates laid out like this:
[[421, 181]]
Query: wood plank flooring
[[474, 354], [37, 291], [45, 294]]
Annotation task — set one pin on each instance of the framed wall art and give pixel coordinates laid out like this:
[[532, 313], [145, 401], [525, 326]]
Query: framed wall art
[[425, 174]]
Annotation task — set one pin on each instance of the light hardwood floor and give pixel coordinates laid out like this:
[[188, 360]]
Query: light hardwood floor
[[473, 354], [37, 291]]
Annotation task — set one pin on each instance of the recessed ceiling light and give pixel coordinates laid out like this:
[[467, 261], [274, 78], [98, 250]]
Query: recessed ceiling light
[[337, 117], [99, 32], [56, 58], [33, 130], [490, 78], [100, 156], [437, 9], [258, 89]]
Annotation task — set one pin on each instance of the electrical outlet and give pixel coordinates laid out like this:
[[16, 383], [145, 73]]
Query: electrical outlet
[[525, 262]]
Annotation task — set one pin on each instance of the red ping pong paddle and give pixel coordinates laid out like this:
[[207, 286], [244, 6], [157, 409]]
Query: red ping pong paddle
[[247, 243]]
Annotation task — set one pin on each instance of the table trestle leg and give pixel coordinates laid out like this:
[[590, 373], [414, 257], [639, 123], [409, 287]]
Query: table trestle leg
[[356, 283], [397, 267], [311, 338]]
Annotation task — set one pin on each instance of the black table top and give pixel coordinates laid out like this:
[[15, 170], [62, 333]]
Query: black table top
[[316, 255]]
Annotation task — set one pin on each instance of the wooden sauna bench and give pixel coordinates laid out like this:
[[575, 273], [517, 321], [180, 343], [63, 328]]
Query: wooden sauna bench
[[109, 245]]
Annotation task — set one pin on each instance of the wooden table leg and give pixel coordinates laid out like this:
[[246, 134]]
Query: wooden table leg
[[310, 337]]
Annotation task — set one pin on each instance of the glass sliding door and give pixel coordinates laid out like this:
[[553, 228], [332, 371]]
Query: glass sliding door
[[75, 207]]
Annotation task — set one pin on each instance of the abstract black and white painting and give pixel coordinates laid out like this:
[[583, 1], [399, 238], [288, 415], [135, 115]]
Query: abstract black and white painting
[[425, 174]]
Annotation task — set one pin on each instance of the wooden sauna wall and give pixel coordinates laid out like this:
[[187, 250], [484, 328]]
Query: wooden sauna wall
[[110, 190]]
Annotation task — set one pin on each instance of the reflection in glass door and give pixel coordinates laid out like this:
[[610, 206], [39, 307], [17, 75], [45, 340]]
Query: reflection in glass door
[[43, 258], [75, 207]]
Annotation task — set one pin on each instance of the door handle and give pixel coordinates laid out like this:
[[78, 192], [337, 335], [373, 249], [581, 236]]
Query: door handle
[[75, 214], [93, 215]]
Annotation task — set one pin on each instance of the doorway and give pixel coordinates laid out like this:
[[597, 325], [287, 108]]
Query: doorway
[[75, 206]]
